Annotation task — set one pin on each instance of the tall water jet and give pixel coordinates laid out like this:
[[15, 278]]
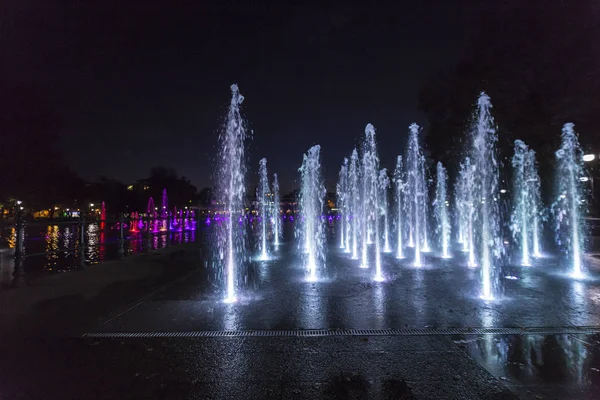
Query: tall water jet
[[537, 206], [425, 210], [275, 213], [370, 198], [400, 186], [570, 206], [416, 192], [488, 234], [526, 188], [231, 192], [354, 201], [441, 210], [342, 197], [466, 207], [263, 207], [384, 184], [312, 198]]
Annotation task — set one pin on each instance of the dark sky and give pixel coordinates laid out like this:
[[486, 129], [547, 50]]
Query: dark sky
[[140, 85]]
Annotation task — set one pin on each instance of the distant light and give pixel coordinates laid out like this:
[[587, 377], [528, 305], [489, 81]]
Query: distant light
[[584, 179], [91, 204], [19, 201], [502, 190], [589, 157], [21, 208]]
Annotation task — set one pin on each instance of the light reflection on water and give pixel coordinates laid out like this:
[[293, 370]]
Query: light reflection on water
[[58, 245]]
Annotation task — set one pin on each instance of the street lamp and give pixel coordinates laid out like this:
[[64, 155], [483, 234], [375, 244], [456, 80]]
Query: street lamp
[[589, 157]]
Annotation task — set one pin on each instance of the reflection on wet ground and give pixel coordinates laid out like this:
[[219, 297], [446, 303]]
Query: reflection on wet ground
[[55, 248], [540, 366]]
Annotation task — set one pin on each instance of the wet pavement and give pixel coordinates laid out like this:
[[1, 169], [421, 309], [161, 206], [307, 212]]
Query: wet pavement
[[276, 298], [444, 294]]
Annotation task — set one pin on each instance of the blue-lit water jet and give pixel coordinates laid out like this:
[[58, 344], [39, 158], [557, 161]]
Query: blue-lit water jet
[[384, 184], [354, 202], [486, 193], [262, 196], [441, 210], [371, 211], [231, 192], [466, 208], [416, 193], [399, 184], [570, 205], [275, 217], [342, 198], [312, 198], [525, 218]]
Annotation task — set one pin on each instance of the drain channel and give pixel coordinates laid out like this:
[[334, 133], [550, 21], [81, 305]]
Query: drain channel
[[351, 332]]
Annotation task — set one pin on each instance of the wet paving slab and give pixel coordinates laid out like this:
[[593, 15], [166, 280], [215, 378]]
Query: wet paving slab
[[424, 359], [254, 368], [443, 294], [540, 366]]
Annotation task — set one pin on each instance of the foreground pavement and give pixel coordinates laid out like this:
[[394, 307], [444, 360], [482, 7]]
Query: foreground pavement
[[422, 334]]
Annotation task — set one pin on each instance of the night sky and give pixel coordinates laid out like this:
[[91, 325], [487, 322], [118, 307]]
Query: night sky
[[142, 85]]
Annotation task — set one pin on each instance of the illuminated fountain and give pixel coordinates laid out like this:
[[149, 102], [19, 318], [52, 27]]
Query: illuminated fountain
[[354, 202], [312, 200], [525, 219], [416, 193], [425, 209], [466, 208], [384, 184], [262, 196], [152, 222], [570, 206], [400, 186], [230, 193], [441, 210], [370, 199], [164, 211], [275, 213], [342, 196], [488, 236]]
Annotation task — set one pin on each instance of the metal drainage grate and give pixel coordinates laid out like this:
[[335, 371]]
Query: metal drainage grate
[[352, 332]]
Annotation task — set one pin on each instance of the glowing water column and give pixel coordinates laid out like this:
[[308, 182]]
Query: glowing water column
[[570, 205], [263, 207], [312, 200], [371, 194], [342, 197], [441, 210], [416, 193], [231, 192], [400, 186], [466, 206], [521, 218], [276, 218], [384, 184], [354, 202], [488, 233]]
